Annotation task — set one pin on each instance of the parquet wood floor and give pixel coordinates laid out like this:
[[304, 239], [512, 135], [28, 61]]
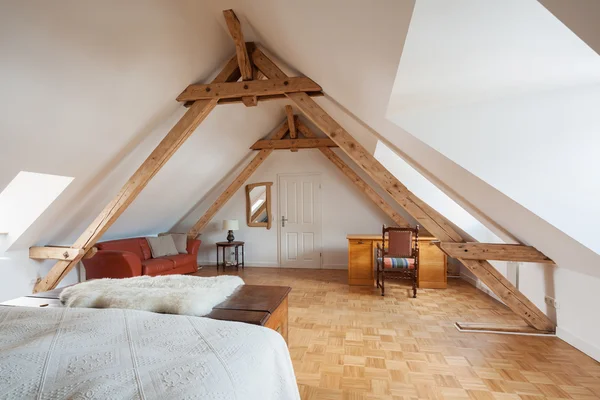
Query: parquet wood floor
[[351, 343]]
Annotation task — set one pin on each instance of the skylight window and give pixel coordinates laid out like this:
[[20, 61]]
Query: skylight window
[[25, 198]]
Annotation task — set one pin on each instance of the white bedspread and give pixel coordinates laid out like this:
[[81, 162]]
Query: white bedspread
[[60, 353]]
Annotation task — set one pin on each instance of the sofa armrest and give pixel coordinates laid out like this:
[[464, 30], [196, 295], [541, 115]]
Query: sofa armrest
[[112, 264], [193, 245]]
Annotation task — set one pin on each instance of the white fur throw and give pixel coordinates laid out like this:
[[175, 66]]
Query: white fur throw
[[169, 294]]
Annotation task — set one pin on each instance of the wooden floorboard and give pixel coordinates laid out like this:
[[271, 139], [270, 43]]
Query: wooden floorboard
[[351, 343]]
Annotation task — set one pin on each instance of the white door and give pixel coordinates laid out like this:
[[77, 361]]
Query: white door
[[300, 221]]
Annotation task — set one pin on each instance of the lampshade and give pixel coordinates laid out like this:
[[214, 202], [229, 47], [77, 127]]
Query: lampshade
[[231, 225]]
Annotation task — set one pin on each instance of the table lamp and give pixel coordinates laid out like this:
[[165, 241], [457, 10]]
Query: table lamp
[[230, 225]]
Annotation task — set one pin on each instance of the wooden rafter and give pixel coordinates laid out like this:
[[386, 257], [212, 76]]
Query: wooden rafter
[[248, 88], [281, 130], [247, 69], [132, 188], [226, 195], [365, 187], [494, 251], [235, 30], [291, 123], [54, 253], [286, 144], [357, 180], [229, 73], [433, 221]]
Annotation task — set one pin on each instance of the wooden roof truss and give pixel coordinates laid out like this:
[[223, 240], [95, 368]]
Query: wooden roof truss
[[263, 80]]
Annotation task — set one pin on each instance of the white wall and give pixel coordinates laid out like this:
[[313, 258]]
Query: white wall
[[345, 210], [538, 149], [524, 126], [88, 89], [472, 50]]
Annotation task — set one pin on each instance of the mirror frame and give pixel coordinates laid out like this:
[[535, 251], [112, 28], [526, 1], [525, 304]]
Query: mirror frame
[[267, 204]]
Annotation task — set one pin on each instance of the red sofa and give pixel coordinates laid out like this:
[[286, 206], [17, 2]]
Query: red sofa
[[132, 257]]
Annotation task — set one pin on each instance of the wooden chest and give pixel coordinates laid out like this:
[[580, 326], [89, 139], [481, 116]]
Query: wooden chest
[[361, 262], [251, 304]]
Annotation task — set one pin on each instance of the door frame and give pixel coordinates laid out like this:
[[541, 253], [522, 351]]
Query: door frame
[[279, 208]]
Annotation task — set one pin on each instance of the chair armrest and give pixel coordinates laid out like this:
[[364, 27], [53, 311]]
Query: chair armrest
[[112, 264], [193, 245]]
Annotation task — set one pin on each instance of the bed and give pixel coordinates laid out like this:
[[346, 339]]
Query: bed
[[76, 353]]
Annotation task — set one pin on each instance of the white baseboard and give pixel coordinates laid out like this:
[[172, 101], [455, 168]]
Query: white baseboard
[[248, 263], [580, 344], [335, 266], [269, 264]]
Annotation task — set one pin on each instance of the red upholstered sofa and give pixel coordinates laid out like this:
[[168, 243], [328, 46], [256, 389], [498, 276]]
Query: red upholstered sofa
[[132, 257]]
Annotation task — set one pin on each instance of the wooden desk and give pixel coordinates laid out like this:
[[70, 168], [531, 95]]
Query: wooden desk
[[361, 261]]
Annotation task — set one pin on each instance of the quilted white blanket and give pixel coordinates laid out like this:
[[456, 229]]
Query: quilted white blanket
[[169, 294], [70, 353]]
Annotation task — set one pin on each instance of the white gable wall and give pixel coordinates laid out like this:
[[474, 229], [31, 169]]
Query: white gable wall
[[345, 210], [88, 90]]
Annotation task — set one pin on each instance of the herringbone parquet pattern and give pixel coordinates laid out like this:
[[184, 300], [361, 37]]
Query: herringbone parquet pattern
[[351, 343]]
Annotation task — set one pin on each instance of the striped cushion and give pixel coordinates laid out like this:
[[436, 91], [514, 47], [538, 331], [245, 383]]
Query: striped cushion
[[396, 262]]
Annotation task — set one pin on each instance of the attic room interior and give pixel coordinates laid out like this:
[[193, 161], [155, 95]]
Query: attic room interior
[[299, 200]]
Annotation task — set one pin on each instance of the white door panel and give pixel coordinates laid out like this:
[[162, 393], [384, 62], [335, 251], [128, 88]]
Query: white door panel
[[300, 221]]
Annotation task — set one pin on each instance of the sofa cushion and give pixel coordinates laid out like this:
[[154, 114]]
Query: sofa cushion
[[162, 246], [156, 266], [180, 240], [137, 246], [181, 260]]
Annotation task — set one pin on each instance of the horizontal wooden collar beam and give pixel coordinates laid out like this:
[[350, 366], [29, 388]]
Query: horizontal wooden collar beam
[[494, 251], [54, 253], [259, 99], [248, 88], [287, 144]]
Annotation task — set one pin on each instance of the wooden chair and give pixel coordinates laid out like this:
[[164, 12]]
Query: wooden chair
[[398, 256]]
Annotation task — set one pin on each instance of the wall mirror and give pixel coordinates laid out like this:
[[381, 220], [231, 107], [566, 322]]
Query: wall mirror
[[258, 204]]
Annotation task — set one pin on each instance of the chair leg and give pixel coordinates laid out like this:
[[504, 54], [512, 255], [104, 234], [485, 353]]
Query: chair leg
[[414, 288], [382, 283]]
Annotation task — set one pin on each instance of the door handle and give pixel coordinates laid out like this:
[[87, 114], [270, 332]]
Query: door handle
[[283, 221]]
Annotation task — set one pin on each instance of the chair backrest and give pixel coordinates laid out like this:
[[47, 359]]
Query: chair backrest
[[400, 242]]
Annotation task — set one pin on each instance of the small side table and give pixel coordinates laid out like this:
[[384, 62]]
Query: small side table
[[236, 246]]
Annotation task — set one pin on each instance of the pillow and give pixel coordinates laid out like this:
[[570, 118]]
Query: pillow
[[180, 240], [162, 246]]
